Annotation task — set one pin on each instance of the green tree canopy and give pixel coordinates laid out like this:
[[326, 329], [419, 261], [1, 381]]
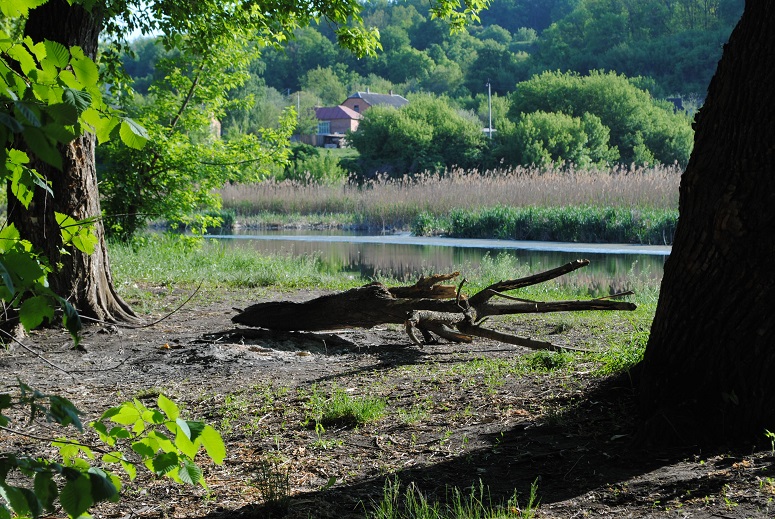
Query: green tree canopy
[[543, 138], [639, 125], [425, 135]]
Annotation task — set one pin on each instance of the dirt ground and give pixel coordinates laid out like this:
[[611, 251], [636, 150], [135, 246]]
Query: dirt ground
[[457, 416]]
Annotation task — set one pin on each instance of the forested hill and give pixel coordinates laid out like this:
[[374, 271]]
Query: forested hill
[[673, 44], [676, 43]]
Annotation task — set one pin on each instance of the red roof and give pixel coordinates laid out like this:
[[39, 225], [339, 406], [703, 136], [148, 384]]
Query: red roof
[[329, 113]]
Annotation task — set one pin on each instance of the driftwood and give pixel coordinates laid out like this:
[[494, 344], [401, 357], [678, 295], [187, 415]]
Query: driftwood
[[426, 307]]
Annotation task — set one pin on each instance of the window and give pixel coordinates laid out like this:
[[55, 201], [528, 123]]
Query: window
[[357, 108], [324, 127]]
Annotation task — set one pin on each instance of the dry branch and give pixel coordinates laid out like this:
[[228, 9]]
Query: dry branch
[[427, 307]]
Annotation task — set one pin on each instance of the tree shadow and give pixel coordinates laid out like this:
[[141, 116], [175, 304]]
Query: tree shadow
[[570, 456]]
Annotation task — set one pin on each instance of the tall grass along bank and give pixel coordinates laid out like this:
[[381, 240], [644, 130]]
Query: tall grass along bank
[[396, 204], [590, 224]]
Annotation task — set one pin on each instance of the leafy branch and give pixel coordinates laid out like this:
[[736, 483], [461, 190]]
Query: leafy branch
[[132, 436]]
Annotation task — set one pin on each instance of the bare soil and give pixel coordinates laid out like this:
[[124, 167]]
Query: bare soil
[[456, 416]]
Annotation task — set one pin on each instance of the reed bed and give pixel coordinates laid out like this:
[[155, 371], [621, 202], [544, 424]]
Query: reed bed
[[404, 198], [425, 203]]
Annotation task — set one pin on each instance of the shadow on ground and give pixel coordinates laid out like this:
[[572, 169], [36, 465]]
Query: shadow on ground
[[581, 459]]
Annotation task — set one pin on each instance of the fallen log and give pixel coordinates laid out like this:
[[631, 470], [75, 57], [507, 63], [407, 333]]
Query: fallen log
[[427, 307]]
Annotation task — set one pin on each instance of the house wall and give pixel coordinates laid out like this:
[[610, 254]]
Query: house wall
[[343, 125], [353, 102]]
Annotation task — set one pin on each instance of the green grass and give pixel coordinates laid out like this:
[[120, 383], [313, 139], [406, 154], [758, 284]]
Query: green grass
[[341, 409], [593, 224], [410, 503]]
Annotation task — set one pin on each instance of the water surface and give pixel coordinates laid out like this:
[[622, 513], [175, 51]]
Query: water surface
[[613, 266]]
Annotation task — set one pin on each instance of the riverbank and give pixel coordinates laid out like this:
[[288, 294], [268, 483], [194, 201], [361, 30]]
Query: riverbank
[[620, 205]]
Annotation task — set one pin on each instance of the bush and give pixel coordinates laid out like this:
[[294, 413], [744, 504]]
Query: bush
[[425, 135], [641, 127]]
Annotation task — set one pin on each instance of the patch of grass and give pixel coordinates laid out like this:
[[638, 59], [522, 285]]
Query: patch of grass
[[589, 223], [624, 352], [273, 484], [343, 410], [167, 261], [410, 503]]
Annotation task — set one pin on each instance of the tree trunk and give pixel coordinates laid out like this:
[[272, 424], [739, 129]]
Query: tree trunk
[[83, 279], [708, 370]]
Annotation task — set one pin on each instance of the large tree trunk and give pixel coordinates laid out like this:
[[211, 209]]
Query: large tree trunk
[[84, 279], [708, 373]]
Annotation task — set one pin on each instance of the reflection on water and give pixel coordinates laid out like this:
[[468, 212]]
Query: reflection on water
[[612, 268]]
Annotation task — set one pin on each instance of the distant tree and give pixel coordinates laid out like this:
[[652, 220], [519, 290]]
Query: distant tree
[[543, 138], [634, 118], [496, 64], [324, 83]]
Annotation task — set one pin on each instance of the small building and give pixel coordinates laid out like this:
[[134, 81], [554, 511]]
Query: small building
[[362, 101], [333, 123]]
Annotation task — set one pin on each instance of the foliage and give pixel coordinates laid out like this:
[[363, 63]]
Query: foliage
[[175, 174], [308, 165], [543, 138], [131, 435], [50, 95], [341, 409], [572, 224], [424, 135], [639, 125]]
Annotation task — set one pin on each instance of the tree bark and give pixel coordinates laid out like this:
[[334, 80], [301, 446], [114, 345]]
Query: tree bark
[[83, 279], [707, 372]]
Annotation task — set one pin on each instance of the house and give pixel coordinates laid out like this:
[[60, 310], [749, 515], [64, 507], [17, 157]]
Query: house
[[362, 101], [333, 123]]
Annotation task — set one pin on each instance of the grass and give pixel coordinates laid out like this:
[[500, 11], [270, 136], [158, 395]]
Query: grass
[[410, 503], [340, 409], [397, 204], [591, 224]]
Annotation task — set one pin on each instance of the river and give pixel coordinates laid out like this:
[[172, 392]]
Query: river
[[403, 255]]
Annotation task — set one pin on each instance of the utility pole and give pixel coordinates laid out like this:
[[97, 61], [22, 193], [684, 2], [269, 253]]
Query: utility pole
[[489, 108]]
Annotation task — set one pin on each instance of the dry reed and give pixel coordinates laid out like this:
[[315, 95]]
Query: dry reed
[[396, 202]]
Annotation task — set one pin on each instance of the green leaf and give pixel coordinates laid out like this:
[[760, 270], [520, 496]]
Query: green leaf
[[169, 407], [11, 123], [76, 496], [34, 311], [132, 134], [9, 237], [77, 232], [28, 113], [46, 489], [43, 147], [125, 414], [143, 448], [196, 428], [190, 473], [85, 70], [19, 8], [102, 487], [4, 513], [182, 440], [57, 53], [71, 320], [65, 114], [213, 444], [165, 462], [78, 99], [15, 498]]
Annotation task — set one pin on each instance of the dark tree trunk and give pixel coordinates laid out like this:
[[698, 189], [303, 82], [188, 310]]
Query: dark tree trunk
[[84, 279], [708, 374]]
